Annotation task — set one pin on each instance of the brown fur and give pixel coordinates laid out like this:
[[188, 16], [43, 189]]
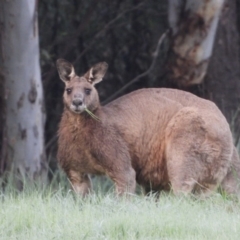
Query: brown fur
[[155, 137]]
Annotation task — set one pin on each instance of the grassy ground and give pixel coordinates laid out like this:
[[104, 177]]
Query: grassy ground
[[57, 214]]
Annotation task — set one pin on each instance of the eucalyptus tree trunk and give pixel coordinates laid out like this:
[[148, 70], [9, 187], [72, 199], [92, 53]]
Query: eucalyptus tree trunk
[[193, 24], [199, 58], [23, 142]]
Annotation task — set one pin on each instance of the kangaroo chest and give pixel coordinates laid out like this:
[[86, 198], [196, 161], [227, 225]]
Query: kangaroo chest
[[75, 152]]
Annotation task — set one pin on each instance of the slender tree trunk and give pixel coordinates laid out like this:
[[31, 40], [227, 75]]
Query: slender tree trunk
[[193, 24], [19, 63]]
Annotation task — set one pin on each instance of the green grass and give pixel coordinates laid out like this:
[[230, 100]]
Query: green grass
[[55, 213]]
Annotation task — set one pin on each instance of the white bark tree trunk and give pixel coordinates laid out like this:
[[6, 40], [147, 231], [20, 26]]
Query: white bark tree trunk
[[19, 63], [193, 24]]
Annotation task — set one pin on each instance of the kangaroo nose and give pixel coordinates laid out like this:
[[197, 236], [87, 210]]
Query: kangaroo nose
[[77, 102]]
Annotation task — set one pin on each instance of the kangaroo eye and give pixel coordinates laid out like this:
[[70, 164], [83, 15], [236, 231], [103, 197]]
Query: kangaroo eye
[[87, 91], [68, 90]]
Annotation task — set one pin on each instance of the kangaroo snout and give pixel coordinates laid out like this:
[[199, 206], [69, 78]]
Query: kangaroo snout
[[77, 105], [77, 102]]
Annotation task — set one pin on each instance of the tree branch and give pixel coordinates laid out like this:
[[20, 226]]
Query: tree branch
[[155, 54]]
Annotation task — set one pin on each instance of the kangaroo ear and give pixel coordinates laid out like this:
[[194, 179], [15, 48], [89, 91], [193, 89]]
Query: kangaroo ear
[[96, 73], [65, 70]]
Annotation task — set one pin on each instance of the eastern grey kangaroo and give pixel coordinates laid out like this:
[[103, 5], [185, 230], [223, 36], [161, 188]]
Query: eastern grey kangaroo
[[159, 138]]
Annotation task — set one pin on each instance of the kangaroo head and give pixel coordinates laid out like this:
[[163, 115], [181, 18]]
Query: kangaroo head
[[80, 92]]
